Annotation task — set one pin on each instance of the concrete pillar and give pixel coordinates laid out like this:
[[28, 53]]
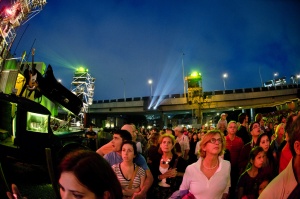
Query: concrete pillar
[[198, 113], [252, 114]]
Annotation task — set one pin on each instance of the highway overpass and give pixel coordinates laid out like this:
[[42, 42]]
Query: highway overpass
[[209, 101]]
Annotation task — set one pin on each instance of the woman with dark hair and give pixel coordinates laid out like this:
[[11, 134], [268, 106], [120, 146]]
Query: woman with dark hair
[[193, 142], [270, 167], [209, 177], [248, 183], [85, 174], [131, 176], [167, 169]]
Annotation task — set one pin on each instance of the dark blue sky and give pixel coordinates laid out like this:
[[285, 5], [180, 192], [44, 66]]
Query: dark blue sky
[[140, 40]]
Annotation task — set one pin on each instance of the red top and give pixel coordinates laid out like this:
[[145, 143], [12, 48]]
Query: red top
[[235, 147], [285, 157]]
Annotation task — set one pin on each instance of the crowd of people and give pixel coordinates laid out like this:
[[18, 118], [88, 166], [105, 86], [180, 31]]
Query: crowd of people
[[237, 159]]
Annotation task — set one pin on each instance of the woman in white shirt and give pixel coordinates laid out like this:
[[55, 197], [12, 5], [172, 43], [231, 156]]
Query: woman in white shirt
[[209, 177]]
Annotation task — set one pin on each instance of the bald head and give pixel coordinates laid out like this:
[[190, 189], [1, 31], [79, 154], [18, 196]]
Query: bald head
[[129, 127]]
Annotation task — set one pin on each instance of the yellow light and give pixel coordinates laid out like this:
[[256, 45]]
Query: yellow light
[[194, 74]]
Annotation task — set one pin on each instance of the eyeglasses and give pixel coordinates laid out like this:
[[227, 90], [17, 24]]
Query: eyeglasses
[[214, 140]]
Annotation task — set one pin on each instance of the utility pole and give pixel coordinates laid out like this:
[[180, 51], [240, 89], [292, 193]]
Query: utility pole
[[183, 76]]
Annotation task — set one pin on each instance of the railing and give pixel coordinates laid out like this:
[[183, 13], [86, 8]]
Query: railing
[[206, 93]]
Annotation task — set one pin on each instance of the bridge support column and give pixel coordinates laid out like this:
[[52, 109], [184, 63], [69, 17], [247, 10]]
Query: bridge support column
[[252, 114], [199, 115], [165, 120]]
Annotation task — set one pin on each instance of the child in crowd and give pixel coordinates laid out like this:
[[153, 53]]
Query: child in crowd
[[248, 184]]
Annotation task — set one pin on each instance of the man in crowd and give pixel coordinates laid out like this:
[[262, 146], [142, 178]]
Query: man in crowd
[[91, 135], [244, 155], [234, 144], [114, 156], [243, 132], [287, 183], [183, 140]]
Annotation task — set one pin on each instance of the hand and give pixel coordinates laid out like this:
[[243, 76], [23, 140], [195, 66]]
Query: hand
[[138, 195], [171, 173], [15, 193]]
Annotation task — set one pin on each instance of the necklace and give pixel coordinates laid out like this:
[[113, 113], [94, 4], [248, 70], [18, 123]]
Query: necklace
[[210, 168], [167, 161]]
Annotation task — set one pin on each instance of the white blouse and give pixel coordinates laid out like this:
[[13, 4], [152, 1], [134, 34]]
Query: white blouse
[[200, 186]]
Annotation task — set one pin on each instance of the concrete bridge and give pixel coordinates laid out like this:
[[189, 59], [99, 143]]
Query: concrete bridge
[[212, 101]]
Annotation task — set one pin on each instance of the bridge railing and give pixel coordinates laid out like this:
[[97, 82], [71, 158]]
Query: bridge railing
[[205, 94]]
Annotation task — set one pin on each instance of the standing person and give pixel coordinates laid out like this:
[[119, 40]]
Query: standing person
[[91, 136], [286, 154], [286, 184], [270, 166], [248, 185], [201, 133], [260, 119], [242, 130], [193, 142], [183, 140], [130, 175], [107, 148], [222, 128], [222, 120], [115, 157], [167, 169], [278, 139], [244, 155], [177, 146], [234, 144], [209, 177], [152, 150]]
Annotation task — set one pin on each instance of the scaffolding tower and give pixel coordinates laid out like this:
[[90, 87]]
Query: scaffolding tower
[[83, 86], [11, 17]]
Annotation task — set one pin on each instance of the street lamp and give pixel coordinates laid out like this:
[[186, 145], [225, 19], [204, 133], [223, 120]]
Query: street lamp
[[298, 77], [150, 82], [224, 77], [124, 88], [275, 75]]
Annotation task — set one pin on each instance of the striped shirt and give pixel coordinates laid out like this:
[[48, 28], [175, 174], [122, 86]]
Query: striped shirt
[[125, 182]]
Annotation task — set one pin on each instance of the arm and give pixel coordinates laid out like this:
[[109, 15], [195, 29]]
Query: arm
[[147, 184], [105, 149], [186, 154], [187, 149]]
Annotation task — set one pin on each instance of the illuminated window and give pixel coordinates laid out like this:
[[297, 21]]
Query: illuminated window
[[37, 122]]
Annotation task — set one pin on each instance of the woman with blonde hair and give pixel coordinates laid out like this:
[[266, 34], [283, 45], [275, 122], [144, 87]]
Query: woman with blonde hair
[[209, 177], [167, 168]]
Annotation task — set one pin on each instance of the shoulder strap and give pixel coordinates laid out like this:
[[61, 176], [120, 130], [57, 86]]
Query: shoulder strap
[[133, 176], [175, 163]]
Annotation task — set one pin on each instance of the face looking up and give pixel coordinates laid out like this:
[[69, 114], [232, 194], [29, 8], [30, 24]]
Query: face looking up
[[214, 146], [255, 131], [117, 142], [265, 143]]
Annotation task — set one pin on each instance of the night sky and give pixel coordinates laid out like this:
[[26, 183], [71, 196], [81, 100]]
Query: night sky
[[127, 42]]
